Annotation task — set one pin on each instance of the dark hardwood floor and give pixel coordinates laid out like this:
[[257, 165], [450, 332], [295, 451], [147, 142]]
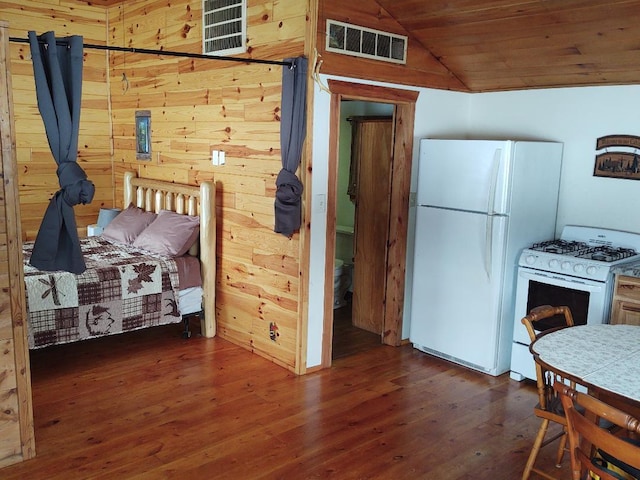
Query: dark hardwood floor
[[347, 339], [150, 405]]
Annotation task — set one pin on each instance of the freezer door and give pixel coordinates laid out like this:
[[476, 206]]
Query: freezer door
[[467, 175], [456, 288]]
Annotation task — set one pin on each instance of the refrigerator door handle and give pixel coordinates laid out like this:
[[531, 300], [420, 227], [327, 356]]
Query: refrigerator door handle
[[488, 244], [495, 167]]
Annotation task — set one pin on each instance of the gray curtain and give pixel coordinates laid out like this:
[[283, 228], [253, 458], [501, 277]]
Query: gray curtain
[[57, 68], [293, 118]]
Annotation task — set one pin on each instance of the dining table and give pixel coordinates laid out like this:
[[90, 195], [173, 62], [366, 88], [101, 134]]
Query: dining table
[[604, 358]]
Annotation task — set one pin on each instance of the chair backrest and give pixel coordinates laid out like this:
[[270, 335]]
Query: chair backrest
[[547, 397], [586, 434], [544, 312]]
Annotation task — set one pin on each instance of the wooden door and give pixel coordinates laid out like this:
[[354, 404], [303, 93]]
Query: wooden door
[[371, 149]]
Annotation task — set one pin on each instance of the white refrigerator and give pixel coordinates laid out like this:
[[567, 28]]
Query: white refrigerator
[[479, 203]]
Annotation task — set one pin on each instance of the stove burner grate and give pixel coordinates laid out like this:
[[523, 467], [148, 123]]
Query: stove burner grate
[[559, 246], [606, 254]]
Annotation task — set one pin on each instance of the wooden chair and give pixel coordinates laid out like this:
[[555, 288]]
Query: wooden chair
[[587, 436], [549, 407]]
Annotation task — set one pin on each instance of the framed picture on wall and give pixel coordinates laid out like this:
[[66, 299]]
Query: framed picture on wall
[[617, 165], [623, 162], [143, 134]]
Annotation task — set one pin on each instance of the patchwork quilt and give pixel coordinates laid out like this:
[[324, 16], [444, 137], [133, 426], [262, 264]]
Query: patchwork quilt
[[123, 289]]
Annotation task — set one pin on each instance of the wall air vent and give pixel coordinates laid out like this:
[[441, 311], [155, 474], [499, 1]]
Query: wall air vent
[[365, 42], [224, 26]]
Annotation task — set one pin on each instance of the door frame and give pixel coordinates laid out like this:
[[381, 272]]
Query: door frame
[[404, 102]]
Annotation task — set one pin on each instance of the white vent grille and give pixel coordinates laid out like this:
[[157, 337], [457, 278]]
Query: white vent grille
[[224, 26], [365, 42]]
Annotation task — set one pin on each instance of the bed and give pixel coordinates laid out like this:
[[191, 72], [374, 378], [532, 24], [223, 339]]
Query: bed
[[153, 265]]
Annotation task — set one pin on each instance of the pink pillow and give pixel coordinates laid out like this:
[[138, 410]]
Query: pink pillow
[[128, 224], [170, 234]]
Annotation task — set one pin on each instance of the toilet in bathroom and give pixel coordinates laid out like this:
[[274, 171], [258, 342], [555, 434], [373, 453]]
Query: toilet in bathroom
[[341, 282]]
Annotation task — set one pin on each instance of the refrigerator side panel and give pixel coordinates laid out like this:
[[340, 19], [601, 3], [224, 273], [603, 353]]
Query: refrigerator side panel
[[456, 292], [464, 174], [535, 185]]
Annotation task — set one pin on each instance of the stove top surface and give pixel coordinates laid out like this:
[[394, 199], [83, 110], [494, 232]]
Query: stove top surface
[[559, 246], [583, 252], [577, 249]]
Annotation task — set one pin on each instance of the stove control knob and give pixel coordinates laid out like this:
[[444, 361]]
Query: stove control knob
[[578, 268], [591, 270], [553, 263], [530, 259], [565, 265]]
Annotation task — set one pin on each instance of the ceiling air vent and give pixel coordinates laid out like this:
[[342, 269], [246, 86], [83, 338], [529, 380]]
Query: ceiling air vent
[[365, 42]]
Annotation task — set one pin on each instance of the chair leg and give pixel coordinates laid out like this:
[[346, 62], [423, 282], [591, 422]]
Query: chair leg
[[561, 448], [535, 449]]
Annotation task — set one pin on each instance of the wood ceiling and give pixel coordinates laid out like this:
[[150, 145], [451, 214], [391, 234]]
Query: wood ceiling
[[493, 45]]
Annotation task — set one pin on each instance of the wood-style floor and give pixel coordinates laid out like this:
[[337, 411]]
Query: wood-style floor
[[347, 339], [150, 405]]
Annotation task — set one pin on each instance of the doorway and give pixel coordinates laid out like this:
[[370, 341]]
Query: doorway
[[362, 219], [402, 104]]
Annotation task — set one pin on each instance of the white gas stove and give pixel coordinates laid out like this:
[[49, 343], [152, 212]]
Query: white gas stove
[[583, 252], [575, 270]]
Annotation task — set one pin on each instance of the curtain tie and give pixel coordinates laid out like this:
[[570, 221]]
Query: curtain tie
[[74, 185]]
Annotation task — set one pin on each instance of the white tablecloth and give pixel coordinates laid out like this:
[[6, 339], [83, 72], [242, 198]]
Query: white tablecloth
[[602, 356]]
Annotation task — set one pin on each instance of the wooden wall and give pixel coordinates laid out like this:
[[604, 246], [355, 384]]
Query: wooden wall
[[16, 416], [37, 169], [196, 106], [422, 68], [30, 181], [202, 105]]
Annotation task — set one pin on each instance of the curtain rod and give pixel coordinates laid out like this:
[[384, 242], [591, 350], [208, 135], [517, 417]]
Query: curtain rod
[[167, 53]]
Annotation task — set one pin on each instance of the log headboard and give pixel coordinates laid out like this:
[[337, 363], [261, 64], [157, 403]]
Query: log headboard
[[156, 195]]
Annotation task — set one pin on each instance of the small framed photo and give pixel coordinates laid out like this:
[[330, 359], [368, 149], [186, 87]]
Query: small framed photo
[[143, 134], [620, 158], [617, 165]]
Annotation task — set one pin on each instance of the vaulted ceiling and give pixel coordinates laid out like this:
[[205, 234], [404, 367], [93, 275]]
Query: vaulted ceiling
[[492, 45], [515, 44]]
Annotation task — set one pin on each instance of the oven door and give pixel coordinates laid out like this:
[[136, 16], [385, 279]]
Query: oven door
[[587, 299]]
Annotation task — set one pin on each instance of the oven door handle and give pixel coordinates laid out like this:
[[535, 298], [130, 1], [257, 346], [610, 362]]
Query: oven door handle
[[488, 243]]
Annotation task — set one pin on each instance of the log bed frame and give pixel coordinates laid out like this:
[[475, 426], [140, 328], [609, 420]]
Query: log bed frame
[[156, 195]]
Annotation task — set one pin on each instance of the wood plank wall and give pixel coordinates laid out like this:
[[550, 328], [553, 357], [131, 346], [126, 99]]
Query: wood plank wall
[[37, 169], [16, 415], [202, 105], [196, 106], [422, 68]]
